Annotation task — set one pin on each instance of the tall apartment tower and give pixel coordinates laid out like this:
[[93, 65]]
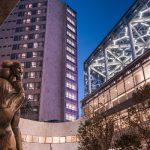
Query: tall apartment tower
[[42, 35]]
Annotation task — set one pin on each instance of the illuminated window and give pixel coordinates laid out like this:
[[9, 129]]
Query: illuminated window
[[71, 95], [48, 140], [31, 74], [35, 45], [26, 37], [71, 35], [55, 139], [37, 27], [29, 138], [70, 76], [71, 85], [23, 55], [70, 58], [71, 106], [70, 20], [70, 12], [30, 97], [62, 139], [71, 28], [35, 139], [41, 139], [71, 42], [147, 70], [39, 12], [71, 50], [33, 64], [71, 67], [70, 117], [25, 46], [34, 54]]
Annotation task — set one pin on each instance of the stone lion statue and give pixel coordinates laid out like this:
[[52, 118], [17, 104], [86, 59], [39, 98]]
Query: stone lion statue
[[11, 98]]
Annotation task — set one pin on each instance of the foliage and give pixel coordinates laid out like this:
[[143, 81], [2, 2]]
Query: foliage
[[128, 141], [142, 93], [96, 133]]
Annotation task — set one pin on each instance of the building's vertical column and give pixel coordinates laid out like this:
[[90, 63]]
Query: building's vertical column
[[71, 75], [89, 80], [132, 41], [106, 64]]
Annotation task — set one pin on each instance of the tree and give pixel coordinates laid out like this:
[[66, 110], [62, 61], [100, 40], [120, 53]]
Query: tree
[[96, 133], [128, 141]]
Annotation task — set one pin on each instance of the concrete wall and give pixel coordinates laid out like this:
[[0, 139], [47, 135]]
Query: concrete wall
[[51, 94], [49, 136]]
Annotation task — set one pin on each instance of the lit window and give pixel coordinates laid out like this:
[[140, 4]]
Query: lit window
[[70, 58], [36, 36], [37, 27], [35, 45], [71, 42], [71, 50], [71, 106], [70, 117], [71, 85], [31, 74], [22, 64], [33, 64], [70, 12], [41, 139], [71, 95], [55, 139], [71, 67], [23, 55], [39, 12], [70, 76], [25, 45], [30, 86], [30, 5], [39, 4], [71, 21], [62, 139], [71, 35], [71, 28], [34, 54], [48, 140], [30, 97], [26, 37]]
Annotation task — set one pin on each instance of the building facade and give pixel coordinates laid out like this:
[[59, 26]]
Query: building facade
[[42, 35], [129, 39]]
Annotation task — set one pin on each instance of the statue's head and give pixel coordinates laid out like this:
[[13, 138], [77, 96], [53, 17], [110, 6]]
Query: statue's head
[[11, 69]]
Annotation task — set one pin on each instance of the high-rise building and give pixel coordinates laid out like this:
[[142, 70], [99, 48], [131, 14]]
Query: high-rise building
[[42, 35], [129, 39]]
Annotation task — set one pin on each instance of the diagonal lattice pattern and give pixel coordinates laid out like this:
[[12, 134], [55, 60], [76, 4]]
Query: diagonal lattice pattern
[[128, 40]]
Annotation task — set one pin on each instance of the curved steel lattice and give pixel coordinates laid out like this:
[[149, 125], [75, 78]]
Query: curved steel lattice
[[128, 41]]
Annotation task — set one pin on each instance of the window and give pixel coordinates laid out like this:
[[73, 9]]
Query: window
[[138, 76], [71, 35], [147, 70], [70, 58], [31, 74], [71, 28], [35, 45], [70, 67], [70, 117], [33, 64], [71, 50], [71, 95], [37, 27], [70, 76], [71, 85], [71, 106], [70, 12], [70, 20], [71, 42]]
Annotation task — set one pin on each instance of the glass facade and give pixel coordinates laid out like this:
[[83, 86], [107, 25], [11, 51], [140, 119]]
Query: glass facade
[[127, 41], [120, 88], [71, 89]]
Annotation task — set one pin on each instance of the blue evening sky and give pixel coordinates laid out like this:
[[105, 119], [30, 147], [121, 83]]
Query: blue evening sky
[[95, 19]]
